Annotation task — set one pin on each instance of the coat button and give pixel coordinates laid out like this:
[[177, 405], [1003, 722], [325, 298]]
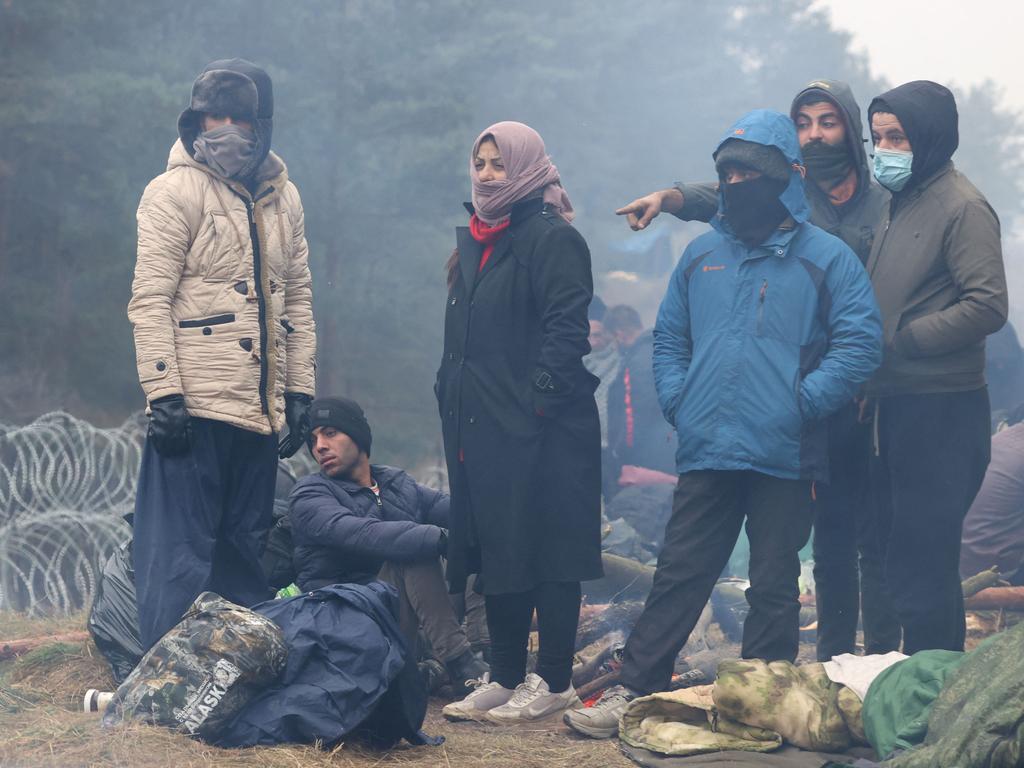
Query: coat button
[[207, 331], [779, 251], [161, 366], [452, 302], [451, 355], [451, 414], [472, 420]]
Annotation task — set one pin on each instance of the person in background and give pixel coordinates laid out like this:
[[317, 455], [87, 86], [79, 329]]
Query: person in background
[[641, 443], [521, 430], [848, 202], [603, 361], [225, 345], [354, 520], [768, 326], [937, 271], [993, 533]]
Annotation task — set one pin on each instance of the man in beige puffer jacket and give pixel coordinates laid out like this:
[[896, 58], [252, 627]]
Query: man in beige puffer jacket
[[225, 346]]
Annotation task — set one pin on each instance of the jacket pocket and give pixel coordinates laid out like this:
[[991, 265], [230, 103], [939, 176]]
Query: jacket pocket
[[220, 256], [204, 321]]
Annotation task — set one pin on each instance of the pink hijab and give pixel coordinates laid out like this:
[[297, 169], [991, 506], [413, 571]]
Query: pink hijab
[[528, 167]]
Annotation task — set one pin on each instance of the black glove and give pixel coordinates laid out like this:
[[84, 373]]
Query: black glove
[[169, 426], [296, 413]]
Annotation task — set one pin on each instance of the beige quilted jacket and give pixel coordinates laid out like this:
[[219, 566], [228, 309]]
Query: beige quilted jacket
[[222, 300]]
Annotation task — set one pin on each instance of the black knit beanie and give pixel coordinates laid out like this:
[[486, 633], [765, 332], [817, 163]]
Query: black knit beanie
[[345, 416], [760, 157]]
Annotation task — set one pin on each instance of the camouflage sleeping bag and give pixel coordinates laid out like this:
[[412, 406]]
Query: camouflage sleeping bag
[[202, 672], [978, 718], [753, 706]]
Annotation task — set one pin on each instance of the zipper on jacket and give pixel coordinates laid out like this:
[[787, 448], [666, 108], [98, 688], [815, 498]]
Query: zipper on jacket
[[760, 307], [261, 301]]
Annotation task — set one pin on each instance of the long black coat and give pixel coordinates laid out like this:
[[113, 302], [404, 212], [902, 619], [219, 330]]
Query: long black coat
[[521, 431]]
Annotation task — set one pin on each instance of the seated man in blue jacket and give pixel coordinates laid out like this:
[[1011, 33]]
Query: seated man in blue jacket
[[768, 326], [355, 521]]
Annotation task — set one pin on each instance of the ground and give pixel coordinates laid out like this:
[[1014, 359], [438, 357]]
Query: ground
[[41, 725]]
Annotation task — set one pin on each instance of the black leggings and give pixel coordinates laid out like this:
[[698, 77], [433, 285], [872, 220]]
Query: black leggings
[[509, 617]]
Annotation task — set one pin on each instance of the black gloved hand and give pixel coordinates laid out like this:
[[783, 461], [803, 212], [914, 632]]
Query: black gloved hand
[[296, 413], [169, 426]]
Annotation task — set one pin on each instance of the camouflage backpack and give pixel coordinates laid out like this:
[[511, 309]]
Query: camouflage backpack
[[202, 672]]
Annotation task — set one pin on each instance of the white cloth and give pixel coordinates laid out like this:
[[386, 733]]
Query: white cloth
[[858, 672]]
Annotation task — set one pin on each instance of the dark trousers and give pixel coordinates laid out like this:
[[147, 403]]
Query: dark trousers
[[201, 523], [848, 573], [932, 451], [707, 512], [509, 617]]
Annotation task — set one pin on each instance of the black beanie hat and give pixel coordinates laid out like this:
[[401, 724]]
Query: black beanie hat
[[345, 416], [760, 157]]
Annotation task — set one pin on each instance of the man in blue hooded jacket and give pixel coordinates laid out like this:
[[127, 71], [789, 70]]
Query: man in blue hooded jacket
[[768, 326]]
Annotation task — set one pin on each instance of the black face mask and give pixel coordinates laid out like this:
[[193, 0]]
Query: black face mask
[[827, 164], [753, 208]]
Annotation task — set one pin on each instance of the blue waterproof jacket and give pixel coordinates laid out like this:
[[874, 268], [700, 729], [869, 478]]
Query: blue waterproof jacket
[[755, 346], [343, 534]]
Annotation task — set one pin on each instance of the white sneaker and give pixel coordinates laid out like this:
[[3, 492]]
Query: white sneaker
[[485, 697], [533, 700]]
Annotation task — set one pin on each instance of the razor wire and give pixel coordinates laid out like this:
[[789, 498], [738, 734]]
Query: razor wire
[[66, 490], [65, 487]]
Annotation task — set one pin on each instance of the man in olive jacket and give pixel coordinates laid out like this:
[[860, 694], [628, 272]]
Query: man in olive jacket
[[225, 342], [937, 270], [847, 202]]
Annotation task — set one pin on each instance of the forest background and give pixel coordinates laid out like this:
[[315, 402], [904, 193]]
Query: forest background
[[377, 103]]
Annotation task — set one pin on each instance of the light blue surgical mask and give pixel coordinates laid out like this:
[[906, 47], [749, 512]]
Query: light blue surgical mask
[[892, 168]]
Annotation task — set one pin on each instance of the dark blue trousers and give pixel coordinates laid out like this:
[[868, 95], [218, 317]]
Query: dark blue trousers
[[201, 523], [932, 454], [848, 573]]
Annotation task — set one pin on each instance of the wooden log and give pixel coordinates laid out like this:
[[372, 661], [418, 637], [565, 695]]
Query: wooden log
[[973, 585], [598, 684], [617, 616], [1007, 598], [590, 659], [624, 579], [10, 649]]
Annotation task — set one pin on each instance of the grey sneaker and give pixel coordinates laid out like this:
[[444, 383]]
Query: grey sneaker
[[485, 697], [601, 721], [532, 701], [464, 669]]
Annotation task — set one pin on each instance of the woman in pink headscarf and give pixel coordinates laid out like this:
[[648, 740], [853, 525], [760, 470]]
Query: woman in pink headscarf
[[521, 431]]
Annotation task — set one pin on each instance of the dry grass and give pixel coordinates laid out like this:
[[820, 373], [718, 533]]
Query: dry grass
[[40, 726], [15, 626]]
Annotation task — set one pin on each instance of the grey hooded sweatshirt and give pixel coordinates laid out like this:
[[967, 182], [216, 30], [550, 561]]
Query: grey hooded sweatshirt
[[855, 221]]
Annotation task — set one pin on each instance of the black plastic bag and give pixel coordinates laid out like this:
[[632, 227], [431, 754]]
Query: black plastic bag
[[114, 616], [277, 557]]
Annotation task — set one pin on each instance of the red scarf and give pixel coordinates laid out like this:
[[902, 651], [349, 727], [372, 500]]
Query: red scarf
[[487, 236]]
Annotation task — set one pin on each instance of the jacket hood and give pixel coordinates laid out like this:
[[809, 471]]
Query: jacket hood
[[271, 168], [927, 112], [238, 88], [840, 94], [773, 129]]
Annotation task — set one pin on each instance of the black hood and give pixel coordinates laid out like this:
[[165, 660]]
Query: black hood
[[840, 94], [927, 112], [227, 84]]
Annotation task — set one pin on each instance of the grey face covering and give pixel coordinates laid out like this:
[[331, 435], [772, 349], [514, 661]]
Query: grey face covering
[[227, 150]]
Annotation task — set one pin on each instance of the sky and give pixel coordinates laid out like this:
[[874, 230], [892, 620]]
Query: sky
[[961, 43]]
